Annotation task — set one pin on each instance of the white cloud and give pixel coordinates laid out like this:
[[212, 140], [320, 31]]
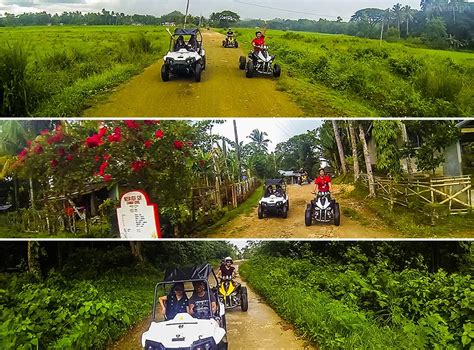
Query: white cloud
[[312, 9]]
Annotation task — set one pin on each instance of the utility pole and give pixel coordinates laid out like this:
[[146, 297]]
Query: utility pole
[[186, 16], [237, 150]]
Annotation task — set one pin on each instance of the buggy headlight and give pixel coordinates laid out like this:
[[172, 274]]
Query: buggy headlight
[[204, 344], [263, 204], [190, 60], [170, 60], [280, 203], [152, 345]]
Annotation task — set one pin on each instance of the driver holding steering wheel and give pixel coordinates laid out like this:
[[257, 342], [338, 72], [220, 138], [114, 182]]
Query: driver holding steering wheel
[[227, 270]]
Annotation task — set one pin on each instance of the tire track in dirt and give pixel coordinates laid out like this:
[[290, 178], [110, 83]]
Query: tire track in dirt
[[223, 92], [249, 226]]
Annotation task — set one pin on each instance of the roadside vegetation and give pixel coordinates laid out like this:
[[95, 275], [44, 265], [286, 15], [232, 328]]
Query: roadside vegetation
[[374, 295], [364, 77], [66, 295], [55, 71]]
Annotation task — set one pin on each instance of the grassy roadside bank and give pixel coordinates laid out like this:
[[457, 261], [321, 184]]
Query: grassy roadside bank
[[65, 69], [410, 222], [81, 312], [340, 306], [362, 78], [244, 208]]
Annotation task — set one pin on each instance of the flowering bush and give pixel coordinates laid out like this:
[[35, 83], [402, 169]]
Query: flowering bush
[[151, 155]]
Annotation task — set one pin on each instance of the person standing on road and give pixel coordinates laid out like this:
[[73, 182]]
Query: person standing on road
[[322, 183], [176, 302]]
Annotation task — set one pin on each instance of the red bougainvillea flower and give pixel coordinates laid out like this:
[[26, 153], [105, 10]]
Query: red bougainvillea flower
[[138, 165], [102, 131], [159, 134], [23, 153], [54, 163], [107, 177], [38, 149], [55, 138], [102, 168], [116, 136], [93, 141], [178, 144], [148, 143], [69, 157], [106, 156], [44, 132], [96, 158], [61, 152], [151, 122], [131, 124], [28, 143]]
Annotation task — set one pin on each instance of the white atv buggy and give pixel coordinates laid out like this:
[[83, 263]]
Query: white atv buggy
[[259, 62], [275, 200], [322, 209], [185, 332], [184, 59]]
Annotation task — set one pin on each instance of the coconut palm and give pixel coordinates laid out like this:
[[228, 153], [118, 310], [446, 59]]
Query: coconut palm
[[408, 15], [259, 140], [339, 146], [397, 12]]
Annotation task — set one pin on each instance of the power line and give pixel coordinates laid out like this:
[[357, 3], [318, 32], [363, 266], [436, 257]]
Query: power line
[[284, 10]]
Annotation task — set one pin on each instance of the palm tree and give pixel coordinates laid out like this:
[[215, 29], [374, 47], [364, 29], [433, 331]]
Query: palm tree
[[397, 13], [258, 137], [368, 164], [355, 159], [408, 16], [339, 146]]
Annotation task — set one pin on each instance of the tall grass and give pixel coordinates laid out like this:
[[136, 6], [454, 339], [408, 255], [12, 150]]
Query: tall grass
[[14, 87], [138, 43]]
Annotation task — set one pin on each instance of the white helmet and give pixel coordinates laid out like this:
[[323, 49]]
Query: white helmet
[[228, 259]]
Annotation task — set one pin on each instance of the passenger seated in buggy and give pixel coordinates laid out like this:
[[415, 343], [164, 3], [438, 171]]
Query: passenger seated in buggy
[[192, 43], [268, 191], [180, 44], [279, 191], [199, 302]]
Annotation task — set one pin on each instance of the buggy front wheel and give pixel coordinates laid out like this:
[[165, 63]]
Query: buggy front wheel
[[165, 72], [197, 72], [260, 212], [249, 69]]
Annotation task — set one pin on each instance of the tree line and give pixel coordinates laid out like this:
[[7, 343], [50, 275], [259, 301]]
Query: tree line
[[439, 23]]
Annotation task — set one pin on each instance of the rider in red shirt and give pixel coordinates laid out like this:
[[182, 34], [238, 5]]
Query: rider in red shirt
[[258, 42], [322, 182]]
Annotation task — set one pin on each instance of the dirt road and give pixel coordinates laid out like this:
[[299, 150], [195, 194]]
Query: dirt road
[[258, 328], [249, 226], [223, 92]]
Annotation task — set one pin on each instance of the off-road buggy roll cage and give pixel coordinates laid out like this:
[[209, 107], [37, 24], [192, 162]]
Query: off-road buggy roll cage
[[185, 32], [274, 182], [199, 273]]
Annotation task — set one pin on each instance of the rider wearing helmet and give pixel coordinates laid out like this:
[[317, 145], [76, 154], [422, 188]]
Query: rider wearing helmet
[[230, 32], [323, 182], [227, 269]]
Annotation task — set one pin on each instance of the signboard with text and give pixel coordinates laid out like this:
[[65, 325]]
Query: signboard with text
[[137, 217]]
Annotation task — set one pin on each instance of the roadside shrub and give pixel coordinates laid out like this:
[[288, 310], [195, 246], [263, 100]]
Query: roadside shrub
[[440, 83], [405, 66], [139, 43], [15, 89], [59, 60]]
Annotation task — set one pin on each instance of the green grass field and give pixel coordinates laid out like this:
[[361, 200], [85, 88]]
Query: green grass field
[[364, 77], [69, 65]]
